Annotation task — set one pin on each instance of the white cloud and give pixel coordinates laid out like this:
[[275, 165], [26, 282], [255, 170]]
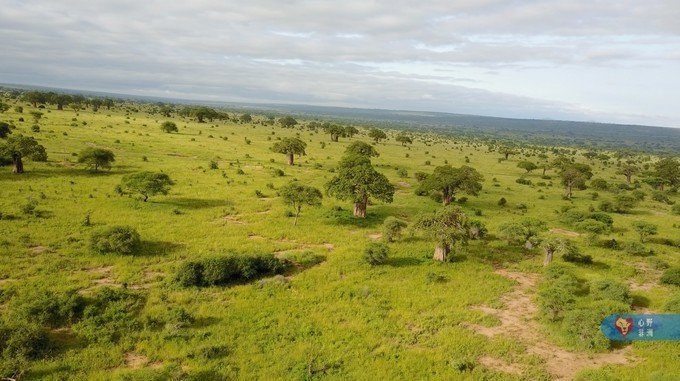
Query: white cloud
[[493, 57]]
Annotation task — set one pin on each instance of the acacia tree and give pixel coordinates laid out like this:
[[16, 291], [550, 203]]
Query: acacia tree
[[377, 135], [351, 131], [169, 127], [525, 232], [290, 147], [628, 170], [527, 166], [288, 122], [668, 170], [404, 139], [60, 100], [507, 151], [449, 180], [334, 131], [297, 195], [35, 97], [574, 175], [644, 229], [146, 184], [448, 226], [360, 148], [358, 181], [94, 158], [18, 147]]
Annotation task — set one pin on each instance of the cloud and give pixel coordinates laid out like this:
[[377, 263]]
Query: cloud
[[354, 53]]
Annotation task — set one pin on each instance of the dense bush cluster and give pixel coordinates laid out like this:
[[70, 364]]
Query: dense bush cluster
[[116, 240], [671, 276], [229, 270], [376, 254]]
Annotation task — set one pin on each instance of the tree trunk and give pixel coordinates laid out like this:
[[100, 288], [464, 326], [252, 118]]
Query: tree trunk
[[60, 107], [506, 156], [446, 199], [360, 208], [146, 197], [544, 169], [628, 178], [18, 164], [548, 257], [297, 213], [291, 160], [568, 191], [441, 252], [334, 138]]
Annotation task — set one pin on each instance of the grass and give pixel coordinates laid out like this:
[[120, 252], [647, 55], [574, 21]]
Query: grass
[[340, 319]]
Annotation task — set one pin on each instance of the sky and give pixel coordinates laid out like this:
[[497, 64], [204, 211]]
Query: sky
[[595, 60]]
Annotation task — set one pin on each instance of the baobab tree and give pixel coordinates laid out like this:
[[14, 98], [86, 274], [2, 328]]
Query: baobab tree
[[360, 148], [628, 170], [358, 181], [377, 135], [448, 226], [290, 147], [18, 147]]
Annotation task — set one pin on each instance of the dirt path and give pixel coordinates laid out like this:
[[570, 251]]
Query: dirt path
[[518, 319]]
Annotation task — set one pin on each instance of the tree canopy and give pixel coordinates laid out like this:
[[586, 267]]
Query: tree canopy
[[527, 165], [361, 148], [146, 184], [448, 226], [358, 181], [297, 195], [668, 169], [377, 135], [449, 180], [290, 147], [15, 148], [288, 122], [404, 139], [94, 158], [169, 127]]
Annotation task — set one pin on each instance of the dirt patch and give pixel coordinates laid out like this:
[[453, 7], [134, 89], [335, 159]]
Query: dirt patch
[[568, 233], [518, 319], [375, 236], [404, 184], [255, 237], [499, 365], [135, 360], [232, 219], [40, 249], [177, 154]]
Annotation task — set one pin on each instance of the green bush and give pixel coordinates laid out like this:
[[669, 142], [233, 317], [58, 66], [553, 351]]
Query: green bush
[[20, 343], [673, 304], [582, 326], [48, 308], [558, 295], [662, 197], [117, 239], [676, 209], [376, 254], [636, 248], [671, 276], [392, 228], [228, 270], [110, 316], [607, 289]]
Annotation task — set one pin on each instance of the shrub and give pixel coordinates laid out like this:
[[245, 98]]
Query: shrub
[[659, 196], [673, 304], [607, 289], [635, 248], [624, 203], [376, 254], [582, 326], [639, 195], [21, 343], [676, 209], [606, 206], [228, 270], [602, 217], [558, 295], [575, 256], [599, 184], [403, 173], [523, 181], [591, 226], [117, 239], [671, 276], [49, 308], [111, 315], [420, 176], [502, 201], [644, 229], [392, 228], [610, 244]]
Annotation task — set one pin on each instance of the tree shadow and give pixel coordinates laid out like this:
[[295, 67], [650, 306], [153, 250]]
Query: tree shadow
[[640, 301], [194, 203], [598, 265], [153, 248], [346, 218], [43, 173]]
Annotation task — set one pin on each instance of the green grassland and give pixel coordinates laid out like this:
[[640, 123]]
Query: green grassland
[[339, 319]]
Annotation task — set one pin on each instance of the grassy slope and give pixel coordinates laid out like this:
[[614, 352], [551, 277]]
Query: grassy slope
[[341, 319]]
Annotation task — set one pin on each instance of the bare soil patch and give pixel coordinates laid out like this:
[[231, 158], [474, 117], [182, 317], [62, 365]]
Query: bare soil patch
[[518, 319], [499, 365], [135, 360], [375, 236]]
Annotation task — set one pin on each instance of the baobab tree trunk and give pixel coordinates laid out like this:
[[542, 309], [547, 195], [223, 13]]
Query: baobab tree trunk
[[441, 252], [290, 159], [548, 257], [506, 156], [568, 191], [334, 138], [544, 169], [360, 208], [628, 178], [18, 164], [60, 107]]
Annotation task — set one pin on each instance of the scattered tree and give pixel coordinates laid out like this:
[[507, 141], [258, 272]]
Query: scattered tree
[[94, 158], [146, 184], [527, 166], [361, 148], [404, 139], [351, 131], [392, 228], [358, 181], [668, 170], [5, 129], [628, 170], [449, 180], [288, 122], [644, 229], [559, 246], [17, 147], [377, 135], [169, 127], [447, 226], [290, 147], [525, 232], [334, 131], [297, 195]]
